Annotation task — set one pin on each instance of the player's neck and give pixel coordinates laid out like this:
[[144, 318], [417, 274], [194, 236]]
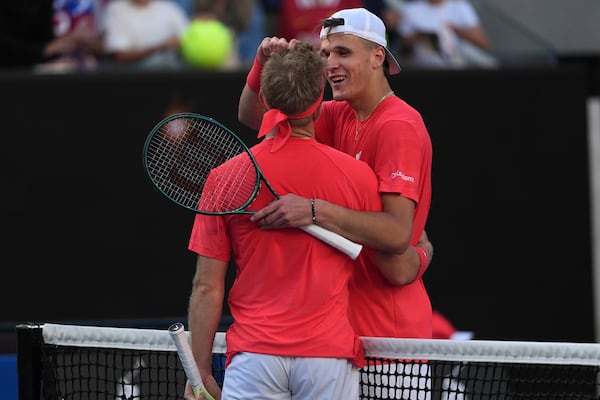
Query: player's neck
[[363, 113], [298, 133], [303, 133]]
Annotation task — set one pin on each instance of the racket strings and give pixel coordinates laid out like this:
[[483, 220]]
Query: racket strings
[[185, 151], [230, 187]]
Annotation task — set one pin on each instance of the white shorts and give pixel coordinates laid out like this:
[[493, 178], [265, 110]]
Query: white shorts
[[262, 376]]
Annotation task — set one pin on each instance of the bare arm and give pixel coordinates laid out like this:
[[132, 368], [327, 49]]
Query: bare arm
[[388, 231], [401, 269], [250, 110], [426, 245], [476, 35], [204, 314], [140, 54]]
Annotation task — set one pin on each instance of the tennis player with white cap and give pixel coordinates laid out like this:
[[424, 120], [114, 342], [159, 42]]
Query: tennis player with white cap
[[367, 120], [364, 24]]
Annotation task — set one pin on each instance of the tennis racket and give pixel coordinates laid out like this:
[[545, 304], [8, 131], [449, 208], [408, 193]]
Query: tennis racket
[[201, 165], [184, 351]]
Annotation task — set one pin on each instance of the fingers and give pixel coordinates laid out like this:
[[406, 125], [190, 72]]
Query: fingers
[[261, 214], [289, 211], [188, 393], [269, 221], [267, 218], [271, 45]]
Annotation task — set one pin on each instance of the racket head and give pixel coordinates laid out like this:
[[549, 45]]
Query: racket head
[[201, 165]]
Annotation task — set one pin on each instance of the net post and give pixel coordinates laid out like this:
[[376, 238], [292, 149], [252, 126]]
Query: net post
[[29, 369]]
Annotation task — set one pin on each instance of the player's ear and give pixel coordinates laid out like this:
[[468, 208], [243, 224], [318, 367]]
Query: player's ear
[[378, 57]]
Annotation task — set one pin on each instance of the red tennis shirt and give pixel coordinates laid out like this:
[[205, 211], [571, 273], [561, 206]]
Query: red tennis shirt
[[290, 294], [396, 144]]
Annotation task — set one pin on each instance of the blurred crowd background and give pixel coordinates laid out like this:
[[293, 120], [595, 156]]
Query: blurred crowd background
[[89, 35]]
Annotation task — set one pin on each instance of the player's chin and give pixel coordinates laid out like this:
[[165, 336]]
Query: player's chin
[[337, 90], [338, 95]]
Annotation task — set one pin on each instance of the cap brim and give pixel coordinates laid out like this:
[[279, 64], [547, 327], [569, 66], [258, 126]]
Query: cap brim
[[393, 63]]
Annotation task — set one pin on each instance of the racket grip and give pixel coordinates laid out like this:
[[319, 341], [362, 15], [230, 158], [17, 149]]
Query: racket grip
[[186, 356], [333, 239]]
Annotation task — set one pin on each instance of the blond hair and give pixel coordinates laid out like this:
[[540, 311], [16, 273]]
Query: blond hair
[[292, 80]]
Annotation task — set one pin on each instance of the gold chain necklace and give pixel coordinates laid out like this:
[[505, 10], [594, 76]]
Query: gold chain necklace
[[359, 124]]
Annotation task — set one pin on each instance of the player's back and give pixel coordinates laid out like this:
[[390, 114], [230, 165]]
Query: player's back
[[291, 280]]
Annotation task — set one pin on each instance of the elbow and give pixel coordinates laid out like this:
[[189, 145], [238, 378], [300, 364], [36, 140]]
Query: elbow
[[399, 244], [207, 290], [399, 247], [248, 119], [400, 278], [396, 269], [242, 117]]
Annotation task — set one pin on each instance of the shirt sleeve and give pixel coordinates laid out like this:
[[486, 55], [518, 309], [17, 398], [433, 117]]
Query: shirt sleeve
[[400, 159], [210, 238]]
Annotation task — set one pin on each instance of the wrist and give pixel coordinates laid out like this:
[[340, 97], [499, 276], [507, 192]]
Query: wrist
[[313, 210], [253, 78], [423, 260]]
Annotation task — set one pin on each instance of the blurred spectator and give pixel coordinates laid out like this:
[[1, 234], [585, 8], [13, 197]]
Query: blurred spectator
[[78, 15], [302, 19], [144, 33], [246, 18], [298, 18], [389, 13], [251, 34], [232, 17], [28, 39], [187, 7], [443, 34]]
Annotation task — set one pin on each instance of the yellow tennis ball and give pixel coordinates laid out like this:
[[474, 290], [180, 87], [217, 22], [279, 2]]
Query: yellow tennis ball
[[206, 44]]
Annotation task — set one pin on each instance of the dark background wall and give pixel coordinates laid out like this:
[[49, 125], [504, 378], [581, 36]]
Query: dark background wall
[[86, 238]]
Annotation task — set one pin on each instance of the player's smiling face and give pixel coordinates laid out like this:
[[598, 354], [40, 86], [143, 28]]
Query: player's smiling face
[[347, 64]]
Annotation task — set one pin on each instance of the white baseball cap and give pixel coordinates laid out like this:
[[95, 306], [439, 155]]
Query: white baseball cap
[[364, 24]]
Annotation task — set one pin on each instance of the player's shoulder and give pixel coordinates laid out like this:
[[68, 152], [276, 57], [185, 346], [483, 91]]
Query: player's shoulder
[[346, 162], [336, 107], [399, 111], [335, 154]]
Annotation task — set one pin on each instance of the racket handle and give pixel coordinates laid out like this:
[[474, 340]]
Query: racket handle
[[186, 356], [333, 239]]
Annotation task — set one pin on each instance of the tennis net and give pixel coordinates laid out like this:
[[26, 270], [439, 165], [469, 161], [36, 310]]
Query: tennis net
[[57, 361]]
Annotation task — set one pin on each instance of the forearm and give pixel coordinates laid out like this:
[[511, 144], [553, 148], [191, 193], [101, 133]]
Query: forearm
[[475, 36], [204, 314], [204, 317], [250, 109], [389, 230], [401, 269], [130, 55], [383, 231], [135, 55]]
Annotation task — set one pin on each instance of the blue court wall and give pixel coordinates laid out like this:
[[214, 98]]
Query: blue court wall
[[87, 238], [8, 377]]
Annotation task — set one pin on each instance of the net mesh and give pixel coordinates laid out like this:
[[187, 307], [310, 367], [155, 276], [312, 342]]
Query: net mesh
[[81, 362]]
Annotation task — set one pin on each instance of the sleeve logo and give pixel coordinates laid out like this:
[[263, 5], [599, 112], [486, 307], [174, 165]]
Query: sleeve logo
[[400, 174]]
